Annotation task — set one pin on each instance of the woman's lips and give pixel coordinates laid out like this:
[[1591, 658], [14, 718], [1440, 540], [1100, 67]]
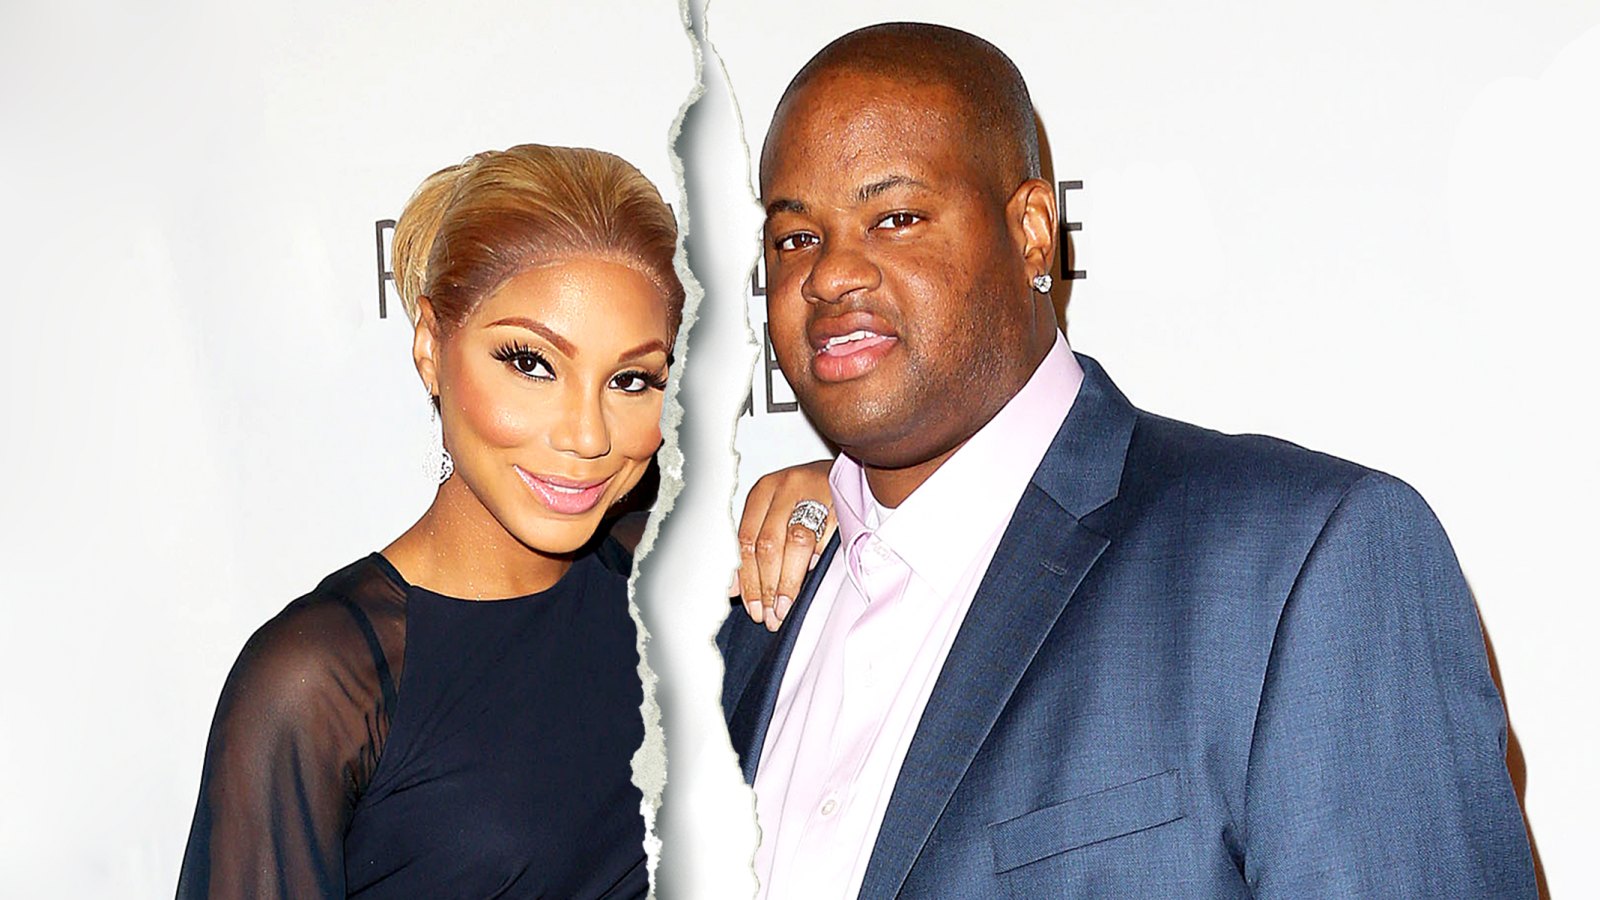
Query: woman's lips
[[851, 355], [563, 495]]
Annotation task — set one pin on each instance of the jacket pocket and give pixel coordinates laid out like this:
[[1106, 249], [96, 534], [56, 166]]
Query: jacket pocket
[[1127, 808]]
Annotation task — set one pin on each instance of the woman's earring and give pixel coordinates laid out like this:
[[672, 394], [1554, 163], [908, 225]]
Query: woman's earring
[[1042, 282], [446, 465]]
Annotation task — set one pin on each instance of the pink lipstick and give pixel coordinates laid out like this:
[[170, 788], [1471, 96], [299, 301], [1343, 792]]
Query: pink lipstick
[[563, 495]]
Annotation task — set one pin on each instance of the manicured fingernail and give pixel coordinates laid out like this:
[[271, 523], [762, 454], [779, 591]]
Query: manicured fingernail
[[772, 620], [815, 558], [783, 605], [754, 609]]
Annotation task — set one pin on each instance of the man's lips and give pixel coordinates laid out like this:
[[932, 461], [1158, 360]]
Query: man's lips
[[564, 495], [849, 346]]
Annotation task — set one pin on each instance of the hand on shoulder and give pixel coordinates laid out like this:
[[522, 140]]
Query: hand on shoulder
[[775, 553]]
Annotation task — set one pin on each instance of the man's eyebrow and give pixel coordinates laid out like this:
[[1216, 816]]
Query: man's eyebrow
[[868, 191], [863, 194], [784, 204]]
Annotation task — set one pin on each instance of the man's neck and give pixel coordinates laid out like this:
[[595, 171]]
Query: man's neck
[[891, 486]]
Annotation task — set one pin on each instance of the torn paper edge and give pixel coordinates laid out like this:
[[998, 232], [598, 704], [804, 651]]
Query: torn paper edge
[[649, 762], [752, 352]]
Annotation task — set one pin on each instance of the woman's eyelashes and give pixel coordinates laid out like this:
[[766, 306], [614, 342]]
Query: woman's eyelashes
[[525, 360], [530, 363], [637, 381]]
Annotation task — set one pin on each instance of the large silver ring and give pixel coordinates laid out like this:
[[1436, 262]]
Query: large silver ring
[[812, 514]]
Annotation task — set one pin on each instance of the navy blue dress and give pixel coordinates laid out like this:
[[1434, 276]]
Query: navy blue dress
[[379, 740]]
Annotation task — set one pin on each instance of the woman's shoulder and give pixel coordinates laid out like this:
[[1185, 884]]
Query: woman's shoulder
[[296, 739], [345, 636]]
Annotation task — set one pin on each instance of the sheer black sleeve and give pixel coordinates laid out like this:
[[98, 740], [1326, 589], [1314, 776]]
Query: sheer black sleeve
[[296, 738]]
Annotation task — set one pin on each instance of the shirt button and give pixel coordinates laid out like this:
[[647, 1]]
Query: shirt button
[[829, 806]]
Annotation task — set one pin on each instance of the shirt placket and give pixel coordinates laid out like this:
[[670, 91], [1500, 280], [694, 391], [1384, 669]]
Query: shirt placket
[[878, 578]]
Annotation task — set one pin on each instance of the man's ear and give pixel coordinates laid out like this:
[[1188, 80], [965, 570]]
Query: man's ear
[[425, 346], [1032, 214]]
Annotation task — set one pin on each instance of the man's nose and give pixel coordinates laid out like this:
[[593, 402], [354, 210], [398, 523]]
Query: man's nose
[[582, 431], [840, 269]]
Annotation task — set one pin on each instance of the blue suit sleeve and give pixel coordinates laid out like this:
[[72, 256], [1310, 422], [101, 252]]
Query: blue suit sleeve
[[1377, 763]]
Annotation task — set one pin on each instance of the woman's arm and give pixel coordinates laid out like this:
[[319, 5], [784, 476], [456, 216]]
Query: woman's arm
[[292, 746]]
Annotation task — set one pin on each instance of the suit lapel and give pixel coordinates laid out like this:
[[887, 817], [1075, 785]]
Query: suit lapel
[[748, 726], [1040, 561], [1042, 558]]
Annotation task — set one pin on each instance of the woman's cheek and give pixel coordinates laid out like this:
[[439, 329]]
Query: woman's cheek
[[640, 431], [496, 411]]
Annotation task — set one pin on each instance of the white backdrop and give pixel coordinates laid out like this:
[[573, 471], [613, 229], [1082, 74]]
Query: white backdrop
[[206, 414], [1365, 227]]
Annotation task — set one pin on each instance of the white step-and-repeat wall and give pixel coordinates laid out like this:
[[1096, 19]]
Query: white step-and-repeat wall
[[211, 398], [1368, 228]]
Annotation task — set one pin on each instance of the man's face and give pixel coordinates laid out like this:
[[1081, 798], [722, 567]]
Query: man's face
[[897, 301]]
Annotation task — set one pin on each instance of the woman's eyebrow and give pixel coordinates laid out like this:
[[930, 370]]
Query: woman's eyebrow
[[655, 344], [539, 328]]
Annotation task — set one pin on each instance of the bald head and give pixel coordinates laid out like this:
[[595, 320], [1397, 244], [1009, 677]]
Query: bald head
[[995, 116]]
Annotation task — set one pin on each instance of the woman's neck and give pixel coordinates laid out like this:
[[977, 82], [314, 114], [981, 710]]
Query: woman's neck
[[459, 549]]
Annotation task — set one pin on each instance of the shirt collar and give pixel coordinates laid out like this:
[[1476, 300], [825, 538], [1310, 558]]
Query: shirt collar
[[948, 519]]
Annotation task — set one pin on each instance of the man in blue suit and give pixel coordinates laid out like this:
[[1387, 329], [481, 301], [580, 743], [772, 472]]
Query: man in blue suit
[[1064, 647]]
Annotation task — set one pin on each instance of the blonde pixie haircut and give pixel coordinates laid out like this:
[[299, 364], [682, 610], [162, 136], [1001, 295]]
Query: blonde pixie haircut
[[472, 227]]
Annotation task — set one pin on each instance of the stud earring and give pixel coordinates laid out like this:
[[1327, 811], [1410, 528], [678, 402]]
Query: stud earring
[[1042, 282]]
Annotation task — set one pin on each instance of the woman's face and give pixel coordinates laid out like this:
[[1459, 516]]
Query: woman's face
[[550, 395]]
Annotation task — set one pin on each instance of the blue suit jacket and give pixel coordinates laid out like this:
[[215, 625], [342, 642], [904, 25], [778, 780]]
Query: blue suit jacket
[[1200, 665]]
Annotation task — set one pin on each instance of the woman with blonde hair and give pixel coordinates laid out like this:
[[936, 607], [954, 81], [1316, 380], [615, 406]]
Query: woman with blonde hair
[[455, 715]]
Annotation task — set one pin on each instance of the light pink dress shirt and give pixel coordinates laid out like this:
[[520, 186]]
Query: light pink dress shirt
[[882, 622]]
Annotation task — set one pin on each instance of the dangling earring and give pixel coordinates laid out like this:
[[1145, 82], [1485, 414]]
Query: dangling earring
[[1042, 282], [446, 466]]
